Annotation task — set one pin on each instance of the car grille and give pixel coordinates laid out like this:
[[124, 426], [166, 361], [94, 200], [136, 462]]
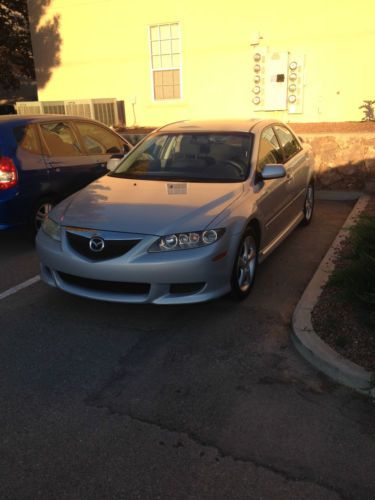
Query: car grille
[[106, 286], [112, 248], [181, 288]]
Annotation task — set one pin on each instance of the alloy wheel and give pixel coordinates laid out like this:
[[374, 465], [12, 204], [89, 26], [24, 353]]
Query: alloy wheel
[[309, 202], [41, 213], [246, 263]]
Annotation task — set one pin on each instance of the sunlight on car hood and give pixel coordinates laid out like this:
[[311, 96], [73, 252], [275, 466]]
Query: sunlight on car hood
[[147, 207]]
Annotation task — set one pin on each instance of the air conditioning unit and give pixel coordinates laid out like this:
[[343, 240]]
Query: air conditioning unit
[[108, 111], [79, 108], [53, 107], [103, 110], [29, 108]]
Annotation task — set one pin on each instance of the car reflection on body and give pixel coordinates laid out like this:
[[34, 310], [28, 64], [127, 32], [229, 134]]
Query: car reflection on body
[[185, 217]]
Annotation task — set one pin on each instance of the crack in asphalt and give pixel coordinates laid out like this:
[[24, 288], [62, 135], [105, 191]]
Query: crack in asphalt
[[137, 354], [220, 452]]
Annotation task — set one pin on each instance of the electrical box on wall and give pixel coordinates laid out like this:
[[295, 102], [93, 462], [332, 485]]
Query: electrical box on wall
[[277, 81]]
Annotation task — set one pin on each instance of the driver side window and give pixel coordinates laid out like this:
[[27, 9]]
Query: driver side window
[[269, 149], [98, 140]]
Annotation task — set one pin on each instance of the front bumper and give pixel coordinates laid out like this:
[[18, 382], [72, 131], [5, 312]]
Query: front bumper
[[176, 277]]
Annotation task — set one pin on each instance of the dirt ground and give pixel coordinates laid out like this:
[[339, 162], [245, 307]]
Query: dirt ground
[[333, 127], [339, 322]]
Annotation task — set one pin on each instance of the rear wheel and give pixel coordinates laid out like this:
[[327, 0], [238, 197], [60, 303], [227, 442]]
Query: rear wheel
[[245, 265], [39, 213], [308, 207]]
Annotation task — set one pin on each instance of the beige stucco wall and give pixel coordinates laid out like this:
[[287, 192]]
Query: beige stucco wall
[[105, 53]]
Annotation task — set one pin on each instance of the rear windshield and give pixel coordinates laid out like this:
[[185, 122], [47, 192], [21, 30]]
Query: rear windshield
[[200, 157]]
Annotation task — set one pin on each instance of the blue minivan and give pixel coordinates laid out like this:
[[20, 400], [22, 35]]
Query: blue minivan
[[44, 158]]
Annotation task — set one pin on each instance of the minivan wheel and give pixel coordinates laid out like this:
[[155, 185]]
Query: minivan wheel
[[40, 212], [308, 207], [244, 267]]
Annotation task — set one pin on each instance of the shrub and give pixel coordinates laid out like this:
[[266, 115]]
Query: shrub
[[357, 279], [368, 110]]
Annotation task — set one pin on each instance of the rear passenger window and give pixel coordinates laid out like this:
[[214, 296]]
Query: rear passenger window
[[60, 139], [269, 149], [288, 142], [27, 139], [98, 140]]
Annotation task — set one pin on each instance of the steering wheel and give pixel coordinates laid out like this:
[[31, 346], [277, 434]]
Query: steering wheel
[[146, 156], [239, 168]]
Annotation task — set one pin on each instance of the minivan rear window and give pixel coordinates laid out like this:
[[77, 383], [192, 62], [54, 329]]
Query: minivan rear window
[[27, 139]]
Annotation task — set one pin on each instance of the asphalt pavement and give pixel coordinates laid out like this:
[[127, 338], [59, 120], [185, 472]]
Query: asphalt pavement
[[207, 401]]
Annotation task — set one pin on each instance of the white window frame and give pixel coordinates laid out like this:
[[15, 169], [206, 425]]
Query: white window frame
[[153, 70]]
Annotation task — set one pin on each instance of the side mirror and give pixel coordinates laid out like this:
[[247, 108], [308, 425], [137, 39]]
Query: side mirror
[[273, 171], [113, 162]]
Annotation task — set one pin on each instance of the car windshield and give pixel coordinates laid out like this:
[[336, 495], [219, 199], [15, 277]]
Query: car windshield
[[193, 157]]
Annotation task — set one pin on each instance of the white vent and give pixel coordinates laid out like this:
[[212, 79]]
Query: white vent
[[53, 107], [103, 110], [29, 108], [79, 108]]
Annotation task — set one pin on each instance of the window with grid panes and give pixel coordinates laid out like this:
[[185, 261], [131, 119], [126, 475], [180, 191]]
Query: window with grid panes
[[166, 61]]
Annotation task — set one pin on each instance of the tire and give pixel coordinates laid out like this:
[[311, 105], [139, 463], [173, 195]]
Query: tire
[[308, 207], [244, 266], [39, 213]]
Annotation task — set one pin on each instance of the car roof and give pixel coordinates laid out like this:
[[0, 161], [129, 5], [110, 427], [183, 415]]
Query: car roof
[[21, 119], [241, 126]]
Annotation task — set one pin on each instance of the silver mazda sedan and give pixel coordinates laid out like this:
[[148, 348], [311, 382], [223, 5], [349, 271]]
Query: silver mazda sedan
[[185, 217]]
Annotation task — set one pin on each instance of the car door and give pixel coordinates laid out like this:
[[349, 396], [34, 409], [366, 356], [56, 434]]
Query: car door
[[296, 163], [274, 195], [68, 166], [100, 144], [34, 180]]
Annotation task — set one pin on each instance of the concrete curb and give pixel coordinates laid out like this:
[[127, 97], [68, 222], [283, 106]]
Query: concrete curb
[[307, 342]]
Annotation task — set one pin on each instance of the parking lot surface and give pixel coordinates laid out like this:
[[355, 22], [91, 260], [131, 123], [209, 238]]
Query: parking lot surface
[[206, 401]]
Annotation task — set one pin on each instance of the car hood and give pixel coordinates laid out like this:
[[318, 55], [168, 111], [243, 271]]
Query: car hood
[[145, 206]]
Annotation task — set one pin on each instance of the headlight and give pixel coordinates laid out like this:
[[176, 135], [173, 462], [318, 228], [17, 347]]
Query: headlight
[[52, 229], [183, 241]]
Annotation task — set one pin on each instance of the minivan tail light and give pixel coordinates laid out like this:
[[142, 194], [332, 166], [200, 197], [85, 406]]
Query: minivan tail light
[[8, 173]]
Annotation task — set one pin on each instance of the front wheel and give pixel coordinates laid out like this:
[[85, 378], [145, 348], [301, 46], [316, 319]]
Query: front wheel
[[39, 213], [244, 267], [308, 207]]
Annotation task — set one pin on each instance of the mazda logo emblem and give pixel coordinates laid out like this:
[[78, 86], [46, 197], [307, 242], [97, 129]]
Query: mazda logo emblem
[[96, 244]]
